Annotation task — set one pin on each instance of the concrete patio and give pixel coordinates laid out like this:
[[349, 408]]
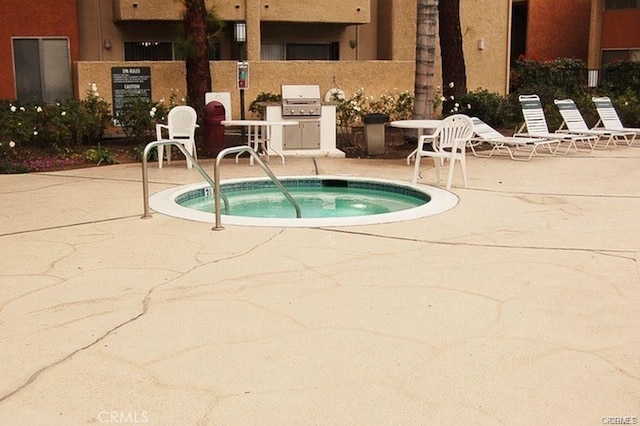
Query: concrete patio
[[519, 306]]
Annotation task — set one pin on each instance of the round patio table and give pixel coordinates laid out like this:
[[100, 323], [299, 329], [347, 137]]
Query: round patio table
[[259, 134], [420, 125]]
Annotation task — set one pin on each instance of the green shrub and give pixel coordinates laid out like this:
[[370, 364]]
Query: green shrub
[[101, 155], [350, 111], [59, 126], [621, 78], [256, 106], [397, 105], [566, 78], [20, 124], [97, 116], [487, 106], [547, 78], [628, 107], [138, 152], [10, 167], [138, 118]]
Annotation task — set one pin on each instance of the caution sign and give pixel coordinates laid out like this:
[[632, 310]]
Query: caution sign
[[128, 83]]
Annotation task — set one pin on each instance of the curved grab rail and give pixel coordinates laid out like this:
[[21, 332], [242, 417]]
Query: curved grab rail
[[145, 173], [267, 170]]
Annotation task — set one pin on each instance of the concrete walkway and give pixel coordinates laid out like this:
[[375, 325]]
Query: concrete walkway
[[519, 306]]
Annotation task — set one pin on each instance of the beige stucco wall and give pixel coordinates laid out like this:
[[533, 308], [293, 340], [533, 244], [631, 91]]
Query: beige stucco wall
[[345, 11], [489, 21], [402, 24], [375, 77]]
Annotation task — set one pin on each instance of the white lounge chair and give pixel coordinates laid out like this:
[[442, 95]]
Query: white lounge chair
[[485, 133], [181, 127], [575, 124], [609, 118], [449, 142], [536, 125]]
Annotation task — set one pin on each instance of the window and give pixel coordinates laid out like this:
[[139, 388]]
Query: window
[[609, 56], [161, 51], [300, 52], [621, 4], [148, 51], [42, 69], [272, 52]]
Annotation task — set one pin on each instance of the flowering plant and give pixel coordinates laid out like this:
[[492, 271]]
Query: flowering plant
[[350, 111], [61, 125], [138, 118], [397, 105]]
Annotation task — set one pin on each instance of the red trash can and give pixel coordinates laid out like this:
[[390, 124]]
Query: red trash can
[[213, 134]]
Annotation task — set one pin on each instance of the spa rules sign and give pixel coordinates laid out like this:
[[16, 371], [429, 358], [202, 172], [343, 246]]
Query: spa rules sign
[[128, 83]]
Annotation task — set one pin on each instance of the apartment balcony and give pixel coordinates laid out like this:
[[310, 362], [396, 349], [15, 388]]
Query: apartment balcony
[[319, 11], [328, 11]]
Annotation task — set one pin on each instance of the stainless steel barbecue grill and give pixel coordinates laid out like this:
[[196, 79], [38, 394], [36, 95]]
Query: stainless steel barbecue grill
[[302, 103]]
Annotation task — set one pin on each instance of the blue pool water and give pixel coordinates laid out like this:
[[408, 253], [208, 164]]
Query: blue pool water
[[317, 198], [324, 201]]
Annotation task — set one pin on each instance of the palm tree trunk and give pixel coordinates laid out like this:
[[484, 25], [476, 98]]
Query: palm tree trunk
[[426, 28], [197, 59], [454, 75]]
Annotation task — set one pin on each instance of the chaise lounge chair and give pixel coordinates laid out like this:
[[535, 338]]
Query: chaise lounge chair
[[575, 124], [536, 125], [609, 117], [485, 133]]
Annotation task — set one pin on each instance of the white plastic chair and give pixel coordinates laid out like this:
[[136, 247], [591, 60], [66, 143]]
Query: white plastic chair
[[609, 118], [181, 127], [449, 142], [574, 123], [536, 124]]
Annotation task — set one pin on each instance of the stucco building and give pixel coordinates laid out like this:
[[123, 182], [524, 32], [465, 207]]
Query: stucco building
[[595, 31], [552, 29], [50, 49], [344, 43], [614, 32]]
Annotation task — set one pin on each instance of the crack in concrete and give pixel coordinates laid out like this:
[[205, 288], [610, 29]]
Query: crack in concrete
[[69, 225], [145, 307], [631, 252]]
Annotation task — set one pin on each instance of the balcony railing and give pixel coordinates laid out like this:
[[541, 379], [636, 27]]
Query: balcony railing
[[328, 11]]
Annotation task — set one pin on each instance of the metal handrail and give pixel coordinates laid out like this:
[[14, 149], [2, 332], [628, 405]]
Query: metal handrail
[[267, 170], [145, 173], [215, 183]]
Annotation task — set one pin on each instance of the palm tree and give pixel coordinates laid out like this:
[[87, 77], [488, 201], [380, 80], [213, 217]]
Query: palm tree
[[454, 75], [197, 55], [425, 58]]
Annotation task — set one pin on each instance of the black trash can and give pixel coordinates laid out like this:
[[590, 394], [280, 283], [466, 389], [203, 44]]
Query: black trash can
[[374, 132], [213, 135]]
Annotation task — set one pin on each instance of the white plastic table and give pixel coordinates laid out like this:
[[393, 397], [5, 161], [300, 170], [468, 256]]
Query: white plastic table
[[259, 134], [419, 125]]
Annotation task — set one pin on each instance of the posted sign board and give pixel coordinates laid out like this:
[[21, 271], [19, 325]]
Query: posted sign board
[[128, 83], [243, 75]]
